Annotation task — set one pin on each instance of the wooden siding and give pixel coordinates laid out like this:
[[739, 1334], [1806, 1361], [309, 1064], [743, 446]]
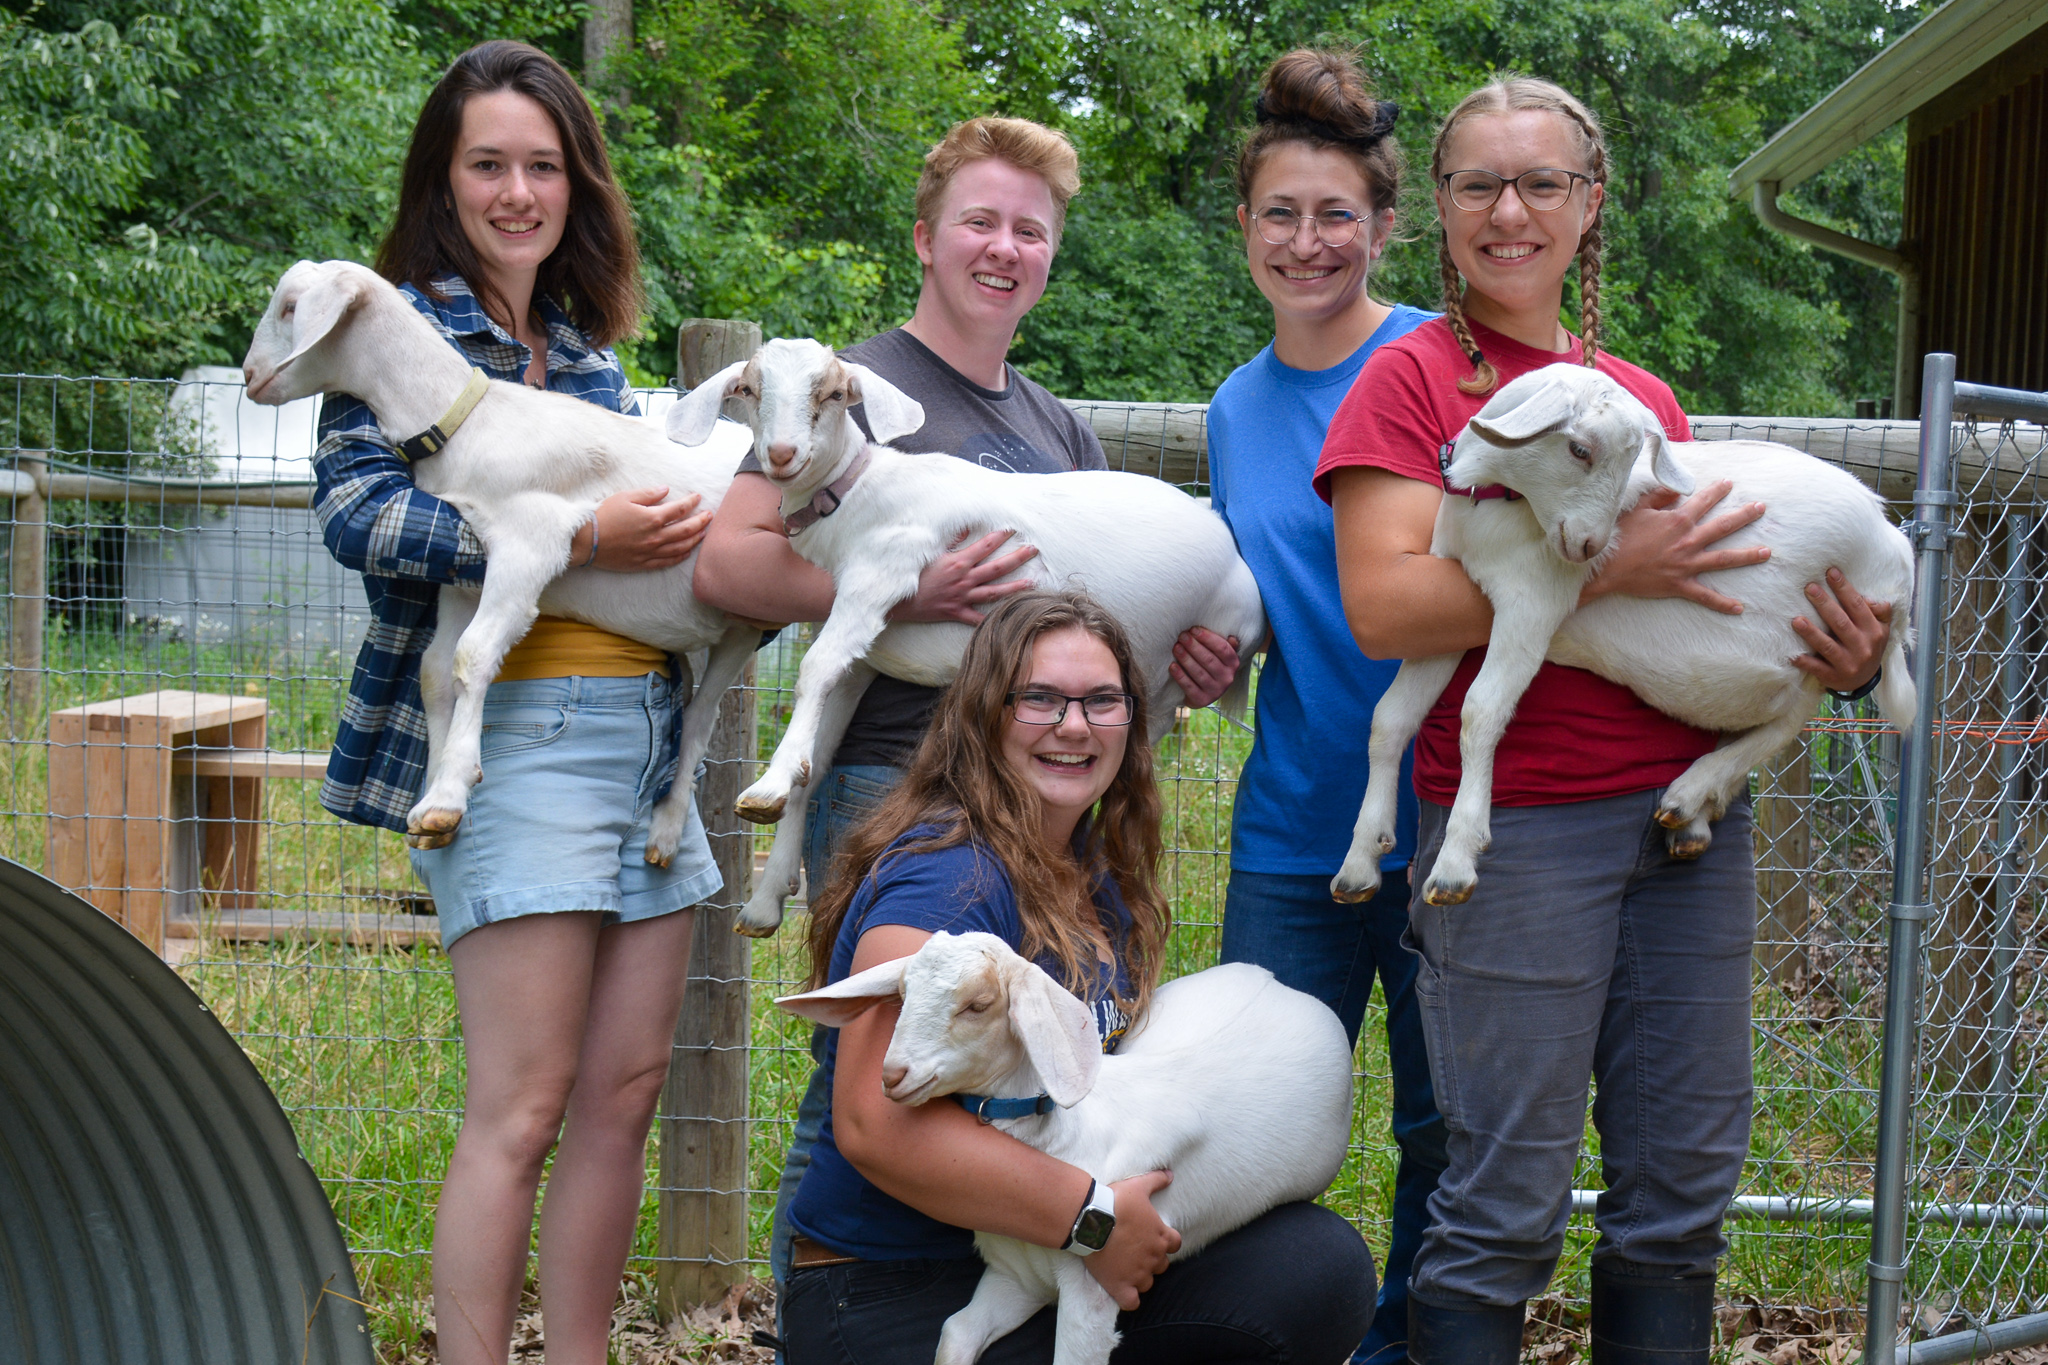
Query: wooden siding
[[1976, 221]]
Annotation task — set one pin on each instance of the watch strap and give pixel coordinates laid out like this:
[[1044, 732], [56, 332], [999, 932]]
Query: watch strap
[[1094, 1223]]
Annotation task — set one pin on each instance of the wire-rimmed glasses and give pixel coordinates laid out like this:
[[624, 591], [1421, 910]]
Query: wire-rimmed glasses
[[1543, 189], [1050, 708], [1278, 225]]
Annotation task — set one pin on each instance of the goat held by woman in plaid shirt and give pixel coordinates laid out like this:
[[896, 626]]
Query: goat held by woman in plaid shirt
[[569, 950]]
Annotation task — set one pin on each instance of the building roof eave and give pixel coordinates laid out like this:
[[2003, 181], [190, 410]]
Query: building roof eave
[[1941, 50]]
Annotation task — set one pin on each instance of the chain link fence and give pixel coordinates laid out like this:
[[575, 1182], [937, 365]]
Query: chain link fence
[[180, 643]]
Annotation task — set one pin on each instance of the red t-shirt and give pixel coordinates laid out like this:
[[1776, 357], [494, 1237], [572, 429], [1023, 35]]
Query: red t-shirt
[[1575, 736]]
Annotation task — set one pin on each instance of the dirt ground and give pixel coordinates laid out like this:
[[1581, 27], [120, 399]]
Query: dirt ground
[[1556, 1335]]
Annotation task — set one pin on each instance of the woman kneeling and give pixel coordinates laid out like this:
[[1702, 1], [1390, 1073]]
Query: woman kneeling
[[1027, 813]]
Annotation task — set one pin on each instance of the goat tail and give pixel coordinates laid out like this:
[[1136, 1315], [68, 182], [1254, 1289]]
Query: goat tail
[[1238, 695], [1897, 699]]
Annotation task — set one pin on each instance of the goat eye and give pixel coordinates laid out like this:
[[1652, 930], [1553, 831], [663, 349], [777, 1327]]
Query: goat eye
[[287, 310], [1581, 453], [837, 396], [978, 1006]]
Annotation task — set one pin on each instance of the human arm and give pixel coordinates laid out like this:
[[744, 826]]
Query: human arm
[[937, 1158], [637, 531], [749, 568], [1401, 601], [373, 518]]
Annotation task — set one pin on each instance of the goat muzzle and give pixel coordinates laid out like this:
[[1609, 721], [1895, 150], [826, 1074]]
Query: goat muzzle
[[781, 454]]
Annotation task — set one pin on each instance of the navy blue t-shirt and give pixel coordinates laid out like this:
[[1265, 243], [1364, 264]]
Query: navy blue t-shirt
[[959, 890], [1298, 796]]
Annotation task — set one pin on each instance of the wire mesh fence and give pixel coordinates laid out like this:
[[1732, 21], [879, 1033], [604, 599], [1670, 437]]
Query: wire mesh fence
[[180, 644]]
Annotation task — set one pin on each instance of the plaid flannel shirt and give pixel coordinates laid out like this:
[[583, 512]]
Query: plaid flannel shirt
[[407, 543]]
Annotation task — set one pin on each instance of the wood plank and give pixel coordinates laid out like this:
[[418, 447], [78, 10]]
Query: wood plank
[[257, 925], [182, 712], [64, 845], [308, 766], [145, 826]]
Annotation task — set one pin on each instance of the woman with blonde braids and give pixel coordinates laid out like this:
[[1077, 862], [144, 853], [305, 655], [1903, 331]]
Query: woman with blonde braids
[[1587, 951]]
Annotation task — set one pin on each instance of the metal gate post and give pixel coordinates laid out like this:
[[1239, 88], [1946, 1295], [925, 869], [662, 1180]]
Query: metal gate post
[[1932, 499]]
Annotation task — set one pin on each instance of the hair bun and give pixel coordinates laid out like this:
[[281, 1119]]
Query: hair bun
[[1328, 92]]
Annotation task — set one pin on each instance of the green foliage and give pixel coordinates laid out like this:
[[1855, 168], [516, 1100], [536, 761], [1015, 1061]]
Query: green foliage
[[172, 157]]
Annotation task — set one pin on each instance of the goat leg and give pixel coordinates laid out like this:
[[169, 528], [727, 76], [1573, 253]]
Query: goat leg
[[1086, 1330], [1701, 794], [1394, 722], [728, 661], [860, 612], [438, 691], [1001, 1304], [1512, 658], [505, 609], [762, 914]]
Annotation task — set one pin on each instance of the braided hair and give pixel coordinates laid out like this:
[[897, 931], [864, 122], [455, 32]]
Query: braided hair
[[1512, 94], [1320, 96]]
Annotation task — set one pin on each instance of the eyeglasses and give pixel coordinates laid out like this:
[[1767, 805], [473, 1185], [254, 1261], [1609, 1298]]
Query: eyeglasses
[[1050, 708], [1543, 190], [1279, 225]]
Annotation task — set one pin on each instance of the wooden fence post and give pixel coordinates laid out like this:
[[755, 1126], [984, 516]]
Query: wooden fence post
[[701, 1220], [27, 590], [1784, 860]]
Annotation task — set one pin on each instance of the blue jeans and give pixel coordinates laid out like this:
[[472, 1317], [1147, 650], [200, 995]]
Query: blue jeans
[[836, 804], [1587, 953], [1289, 925]]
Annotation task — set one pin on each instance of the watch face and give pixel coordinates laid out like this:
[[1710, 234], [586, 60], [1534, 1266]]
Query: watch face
[[1094, 1228]]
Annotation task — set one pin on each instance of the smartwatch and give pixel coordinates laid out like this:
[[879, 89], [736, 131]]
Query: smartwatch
[[1095, 1222]]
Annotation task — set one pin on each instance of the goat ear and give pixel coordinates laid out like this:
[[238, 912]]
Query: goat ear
[[843, 1002], [320, 310], [892, 413], [1664, 462], [1057, 1030], [1548, 408], [694, 415]]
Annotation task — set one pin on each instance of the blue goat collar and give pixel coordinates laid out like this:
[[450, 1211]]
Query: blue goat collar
[[988, 1109]]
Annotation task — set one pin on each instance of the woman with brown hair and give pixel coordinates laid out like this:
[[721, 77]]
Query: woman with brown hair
[[1319, 183], [1029, 812], [568, 950]]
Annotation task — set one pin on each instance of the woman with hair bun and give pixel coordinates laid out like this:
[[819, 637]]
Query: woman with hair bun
[[568, 950], [1319, 181], [1588, 952]]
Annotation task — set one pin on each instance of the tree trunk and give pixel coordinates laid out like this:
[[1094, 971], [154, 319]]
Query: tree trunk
[[607, 33]]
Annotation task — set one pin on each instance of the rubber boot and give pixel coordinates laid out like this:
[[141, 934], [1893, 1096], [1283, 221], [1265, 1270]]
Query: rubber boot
[[1651, 1319], [1464, 1336]]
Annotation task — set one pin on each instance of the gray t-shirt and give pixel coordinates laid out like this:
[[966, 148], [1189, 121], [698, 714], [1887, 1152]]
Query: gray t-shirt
[[1023, 429]]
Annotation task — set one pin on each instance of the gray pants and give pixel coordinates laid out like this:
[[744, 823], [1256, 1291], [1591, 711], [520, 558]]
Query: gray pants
[[1586, 952]]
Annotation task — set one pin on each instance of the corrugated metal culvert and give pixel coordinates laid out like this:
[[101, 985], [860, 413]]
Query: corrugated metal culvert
[[153, 1203]]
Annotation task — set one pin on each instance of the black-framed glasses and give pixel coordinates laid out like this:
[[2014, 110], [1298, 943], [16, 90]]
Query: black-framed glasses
[[1278, 225], [1544, 189], [1050, 708]]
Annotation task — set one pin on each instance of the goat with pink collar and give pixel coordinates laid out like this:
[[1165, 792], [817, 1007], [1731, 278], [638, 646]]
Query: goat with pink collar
[[1574, 450], [874, 517]]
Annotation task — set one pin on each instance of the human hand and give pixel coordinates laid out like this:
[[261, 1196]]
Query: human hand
[[963, 579], [1204, 664], [1848, 653], [1662, 549], [637, 532], [1139, 1245]]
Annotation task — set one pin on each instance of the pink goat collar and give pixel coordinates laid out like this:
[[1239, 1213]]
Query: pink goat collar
[[826, 500]]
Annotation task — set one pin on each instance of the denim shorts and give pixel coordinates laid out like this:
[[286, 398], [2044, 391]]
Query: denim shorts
[[571, 766]]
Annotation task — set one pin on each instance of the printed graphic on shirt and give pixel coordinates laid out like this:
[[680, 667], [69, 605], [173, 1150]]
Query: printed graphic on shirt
[[1111, 1022], [1010, 454]]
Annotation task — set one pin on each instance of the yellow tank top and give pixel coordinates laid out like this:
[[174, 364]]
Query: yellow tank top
[[560, 648]]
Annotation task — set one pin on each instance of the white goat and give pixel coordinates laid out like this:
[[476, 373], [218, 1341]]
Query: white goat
[[1237, 1084], [1579, 450], [875, 517], [526, 468]]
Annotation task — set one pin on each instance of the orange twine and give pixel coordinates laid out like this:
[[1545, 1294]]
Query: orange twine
[[1995, 732]]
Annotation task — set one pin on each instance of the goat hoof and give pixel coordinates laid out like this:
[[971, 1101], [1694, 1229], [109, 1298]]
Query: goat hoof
[[1351, 895], [1687, 847], [658, 858], [1445, 893], [741, 927], [1671, 817], [429, 840], [438, 820], [759, 810]]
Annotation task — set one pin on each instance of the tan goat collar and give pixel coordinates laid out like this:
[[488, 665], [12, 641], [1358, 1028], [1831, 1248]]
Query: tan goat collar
[[434, 438]]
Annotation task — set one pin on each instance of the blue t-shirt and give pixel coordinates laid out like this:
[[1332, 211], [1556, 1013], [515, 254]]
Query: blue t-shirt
[[1298, 796], [960, 890]]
